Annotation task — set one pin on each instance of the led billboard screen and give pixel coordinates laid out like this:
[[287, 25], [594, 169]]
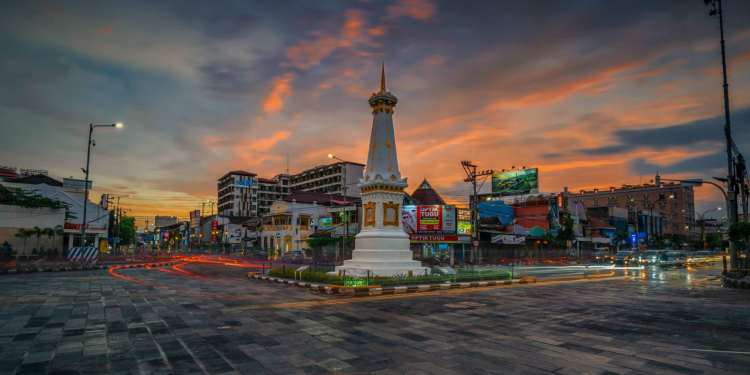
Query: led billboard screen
[[516, 182]]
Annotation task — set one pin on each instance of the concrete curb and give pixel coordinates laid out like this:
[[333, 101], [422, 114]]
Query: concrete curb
[[70, 268], [376, 290], [729, 282]]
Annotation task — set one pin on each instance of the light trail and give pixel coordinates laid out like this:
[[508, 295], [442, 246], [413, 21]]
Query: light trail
[[443, 292]]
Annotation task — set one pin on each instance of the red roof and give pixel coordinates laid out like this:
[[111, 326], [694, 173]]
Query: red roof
[[426, 195]]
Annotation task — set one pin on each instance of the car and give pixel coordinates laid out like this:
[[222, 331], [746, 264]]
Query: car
[[602, 256], [625, 258], [650, 257], [294, 256], [673, 258]]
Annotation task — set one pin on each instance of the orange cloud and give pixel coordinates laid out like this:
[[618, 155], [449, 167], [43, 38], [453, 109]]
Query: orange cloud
[[417, 9], [309, 53], [376, 31], [280, 90], [265, 144]]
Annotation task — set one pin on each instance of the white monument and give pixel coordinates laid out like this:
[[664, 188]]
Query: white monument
[[382, 247]]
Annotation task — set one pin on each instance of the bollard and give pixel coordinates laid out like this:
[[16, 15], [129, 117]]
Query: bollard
[[724, 260]]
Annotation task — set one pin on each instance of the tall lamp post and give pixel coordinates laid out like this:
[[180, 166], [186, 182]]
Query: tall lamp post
[[84, 224], [715, 9], [346, 213]]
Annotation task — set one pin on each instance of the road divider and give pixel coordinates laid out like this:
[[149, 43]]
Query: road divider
[[363, 291]]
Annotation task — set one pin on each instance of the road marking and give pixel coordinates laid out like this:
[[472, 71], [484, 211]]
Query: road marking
[[350, 300]]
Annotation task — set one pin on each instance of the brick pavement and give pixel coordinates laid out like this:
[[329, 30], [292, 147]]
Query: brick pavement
[[71, 323]]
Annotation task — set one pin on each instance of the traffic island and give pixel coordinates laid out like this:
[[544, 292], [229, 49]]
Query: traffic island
[[375, 290]]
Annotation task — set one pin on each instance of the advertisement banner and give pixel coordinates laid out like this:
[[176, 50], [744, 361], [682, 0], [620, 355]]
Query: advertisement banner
[[506, 239], [430, 218], [449, 219], [516, 182], [464, 227], [409, 218]]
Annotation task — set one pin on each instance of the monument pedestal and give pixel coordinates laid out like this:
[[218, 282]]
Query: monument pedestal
[[382, 253]]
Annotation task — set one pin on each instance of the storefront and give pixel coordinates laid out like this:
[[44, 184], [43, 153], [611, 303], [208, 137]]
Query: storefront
[[444, 248]]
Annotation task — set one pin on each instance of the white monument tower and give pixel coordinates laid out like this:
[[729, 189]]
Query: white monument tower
[[382, 247]]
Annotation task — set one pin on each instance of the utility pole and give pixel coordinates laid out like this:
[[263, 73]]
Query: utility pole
[[715, 9], [471, 176]]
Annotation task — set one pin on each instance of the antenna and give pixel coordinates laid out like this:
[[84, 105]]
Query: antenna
[[287, 162]]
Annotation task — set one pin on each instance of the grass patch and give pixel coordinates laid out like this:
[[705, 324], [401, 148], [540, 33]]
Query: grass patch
[[324, 277]]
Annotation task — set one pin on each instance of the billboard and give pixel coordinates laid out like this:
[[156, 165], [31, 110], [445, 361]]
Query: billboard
[[429, 219], [516, 182], [195, 218]]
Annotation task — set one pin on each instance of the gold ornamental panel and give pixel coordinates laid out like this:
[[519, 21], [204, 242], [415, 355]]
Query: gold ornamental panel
[[370, 214], [390, 213]]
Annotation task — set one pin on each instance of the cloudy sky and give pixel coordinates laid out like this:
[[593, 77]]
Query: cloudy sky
[[593, 93]]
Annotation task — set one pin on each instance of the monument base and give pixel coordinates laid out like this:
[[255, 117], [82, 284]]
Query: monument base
[[382, 253]]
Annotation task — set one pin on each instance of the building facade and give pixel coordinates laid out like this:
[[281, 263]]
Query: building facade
[[663, 209], [97, 217], [244, 194], [294, 218], [339, 178]]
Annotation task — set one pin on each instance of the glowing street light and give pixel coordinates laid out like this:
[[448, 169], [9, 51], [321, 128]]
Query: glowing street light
[[84, 224]]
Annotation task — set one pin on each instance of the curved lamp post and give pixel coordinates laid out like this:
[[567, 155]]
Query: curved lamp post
[[84, 224]]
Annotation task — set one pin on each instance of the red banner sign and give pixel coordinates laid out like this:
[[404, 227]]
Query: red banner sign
[[434, 237], [429, 218], [79, 226]]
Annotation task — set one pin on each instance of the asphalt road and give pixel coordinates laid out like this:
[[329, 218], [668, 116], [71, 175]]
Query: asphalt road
[[209, 318]]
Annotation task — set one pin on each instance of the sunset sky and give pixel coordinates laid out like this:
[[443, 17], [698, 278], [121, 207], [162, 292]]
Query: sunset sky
[[593, 93]]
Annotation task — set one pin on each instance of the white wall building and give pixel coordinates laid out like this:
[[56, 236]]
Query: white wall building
[[338, 178], [97, 216]]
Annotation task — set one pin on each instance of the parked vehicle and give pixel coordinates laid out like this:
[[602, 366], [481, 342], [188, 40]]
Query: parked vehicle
[[673, 258], [625, 258], [294, 256], [602, 256], [650, 257]]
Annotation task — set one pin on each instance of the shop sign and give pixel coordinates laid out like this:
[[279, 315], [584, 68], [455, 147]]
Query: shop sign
[[507, 239], [433, 237]]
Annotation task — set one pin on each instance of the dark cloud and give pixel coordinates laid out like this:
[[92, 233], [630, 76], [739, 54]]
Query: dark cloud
[[701, 165], [706, 132]]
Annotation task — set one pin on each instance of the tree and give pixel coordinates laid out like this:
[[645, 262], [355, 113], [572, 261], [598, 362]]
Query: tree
[[37, 232], [739, 233], [127, 230], [25, 234]]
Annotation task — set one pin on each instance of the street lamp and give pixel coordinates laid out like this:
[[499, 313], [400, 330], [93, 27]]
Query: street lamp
[[84, 224], [332, 156]]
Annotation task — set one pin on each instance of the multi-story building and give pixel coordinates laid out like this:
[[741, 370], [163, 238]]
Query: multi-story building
[[244, 194], [338, 178], [237, 194], [658, 207]]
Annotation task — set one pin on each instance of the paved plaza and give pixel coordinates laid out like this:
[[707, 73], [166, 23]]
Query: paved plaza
[[211, 319]]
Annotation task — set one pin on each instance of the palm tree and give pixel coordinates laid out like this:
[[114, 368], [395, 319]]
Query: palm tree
[[36, 231], [23, 233], [50, 233], [58, 231]]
